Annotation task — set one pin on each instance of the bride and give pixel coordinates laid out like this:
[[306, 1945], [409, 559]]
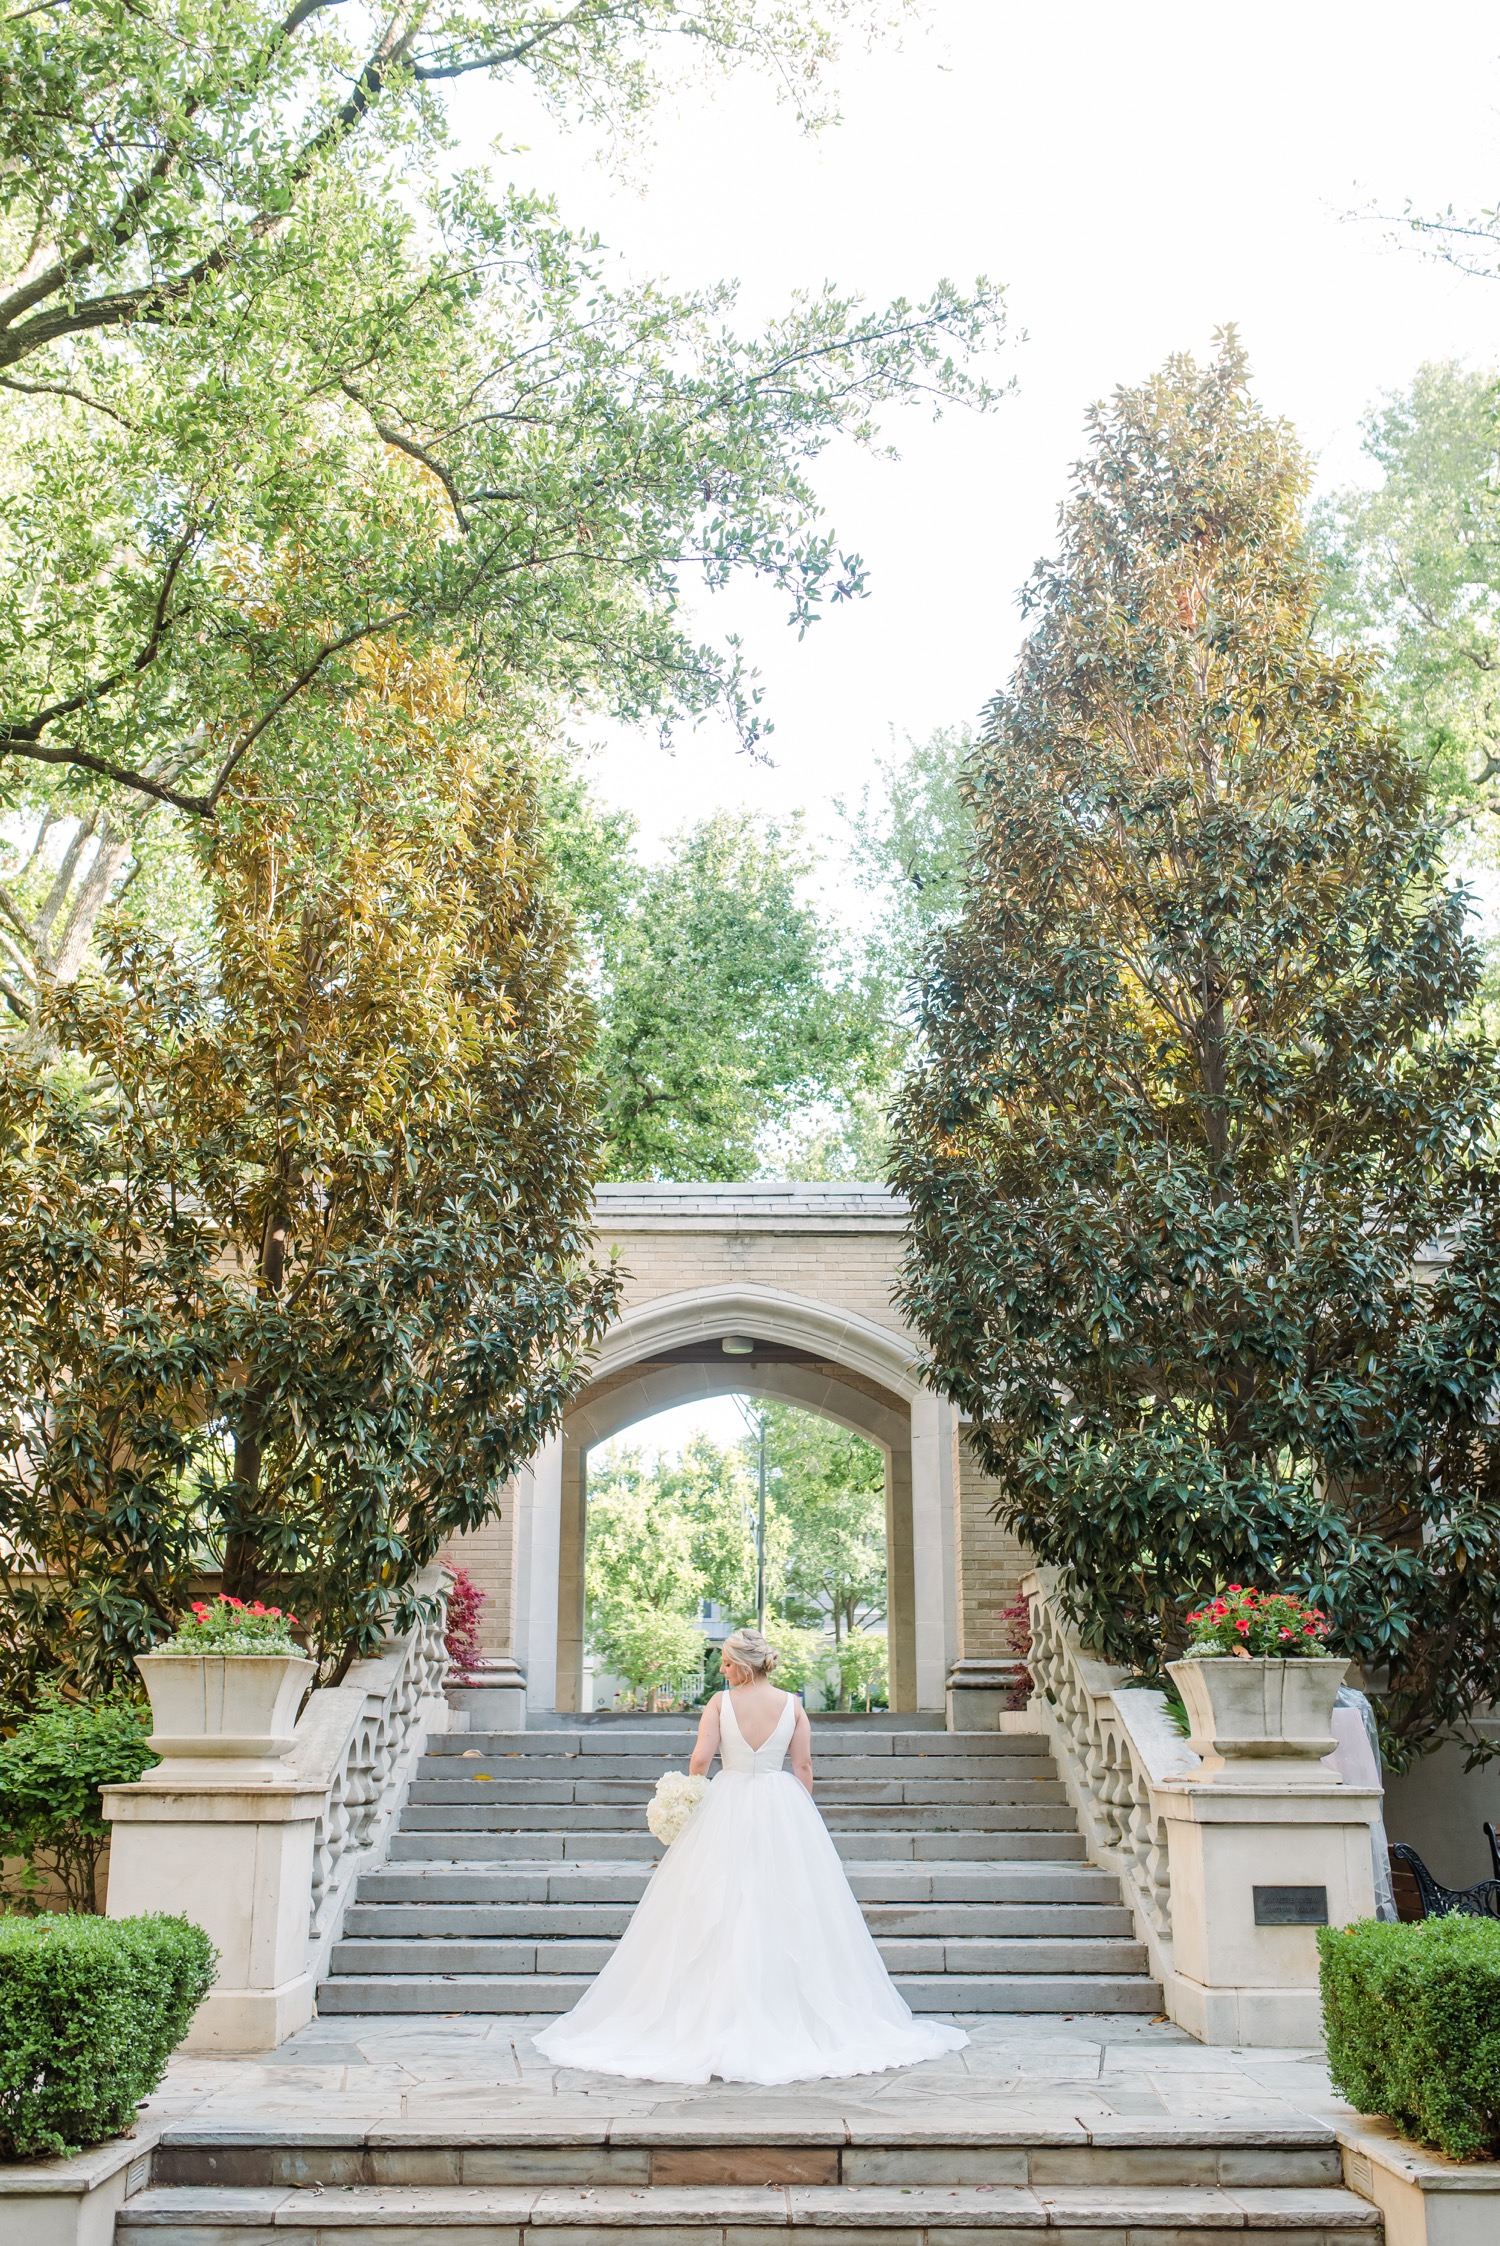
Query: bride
[[747, 1956]]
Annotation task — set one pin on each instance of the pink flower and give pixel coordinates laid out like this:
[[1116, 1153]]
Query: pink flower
[[1243, 1628]]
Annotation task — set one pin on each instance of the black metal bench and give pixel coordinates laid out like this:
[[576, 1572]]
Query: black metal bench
[[1438, 1901]]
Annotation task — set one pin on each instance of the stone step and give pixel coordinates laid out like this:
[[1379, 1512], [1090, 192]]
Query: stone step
[[724, 2215], [553, 1954], [945, 1993], [591, 1845], [727, 2215], [513, 1921], [678, 1741], [470, 1763], [964, 1815], [918, 2144], [552, 1881], [634, 1793]]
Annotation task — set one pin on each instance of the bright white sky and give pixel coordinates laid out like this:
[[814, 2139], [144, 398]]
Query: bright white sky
[[1137, 176]]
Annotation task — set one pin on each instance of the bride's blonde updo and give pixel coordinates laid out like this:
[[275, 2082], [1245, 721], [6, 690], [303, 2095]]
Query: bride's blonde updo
[[747, 1649]]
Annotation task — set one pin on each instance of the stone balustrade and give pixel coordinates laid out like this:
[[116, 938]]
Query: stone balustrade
[[1226, 1882], [267, 1865]]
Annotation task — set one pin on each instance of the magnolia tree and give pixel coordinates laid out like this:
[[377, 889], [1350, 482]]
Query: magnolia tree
[[1205, 1212], [296, 1266]]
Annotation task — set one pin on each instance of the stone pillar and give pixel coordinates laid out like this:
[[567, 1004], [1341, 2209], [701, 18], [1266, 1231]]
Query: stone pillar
[[572, 1586], [900, 1620], [237, 1860], [1254, 1871], [538, 1558], [934, 1498]]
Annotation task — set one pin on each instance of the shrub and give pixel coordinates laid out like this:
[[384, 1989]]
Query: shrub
[[90, 2009], [51, 1771], [461, 1632], [1412, 2019]]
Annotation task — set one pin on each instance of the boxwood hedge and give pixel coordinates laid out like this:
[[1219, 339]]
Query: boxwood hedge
[[1412, 2020], [90, 2009]]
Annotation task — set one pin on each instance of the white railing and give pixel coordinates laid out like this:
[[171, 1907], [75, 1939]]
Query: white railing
[[360, 1742], [1113, 1748]]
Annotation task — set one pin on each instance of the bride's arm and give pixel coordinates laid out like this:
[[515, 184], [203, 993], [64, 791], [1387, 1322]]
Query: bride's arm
[[706, 1745], [799, 1754]]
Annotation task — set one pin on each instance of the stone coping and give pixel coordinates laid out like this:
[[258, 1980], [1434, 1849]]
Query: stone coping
[[1378, 2143], [1118, 2133], [83, 2173]]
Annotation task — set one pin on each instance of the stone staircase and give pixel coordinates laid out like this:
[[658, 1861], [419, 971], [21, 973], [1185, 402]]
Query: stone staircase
[[913, 2178], [520, 1855]]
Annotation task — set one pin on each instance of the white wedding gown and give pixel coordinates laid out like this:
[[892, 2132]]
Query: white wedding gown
[[747, 1956]]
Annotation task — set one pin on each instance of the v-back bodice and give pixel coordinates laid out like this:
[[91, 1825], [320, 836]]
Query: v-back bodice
[[735, 1752]]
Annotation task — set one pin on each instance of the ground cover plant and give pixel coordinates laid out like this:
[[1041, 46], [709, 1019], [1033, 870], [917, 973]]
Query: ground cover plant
[[1412, 2020], [1196, 1096], [90, 2011]]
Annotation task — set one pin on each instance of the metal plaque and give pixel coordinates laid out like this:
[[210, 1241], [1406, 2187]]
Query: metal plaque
[[1291, 1906]]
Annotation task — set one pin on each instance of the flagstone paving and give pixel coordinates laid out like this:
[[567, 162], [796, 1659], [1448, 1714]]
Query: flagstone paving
[[1017, 2069]]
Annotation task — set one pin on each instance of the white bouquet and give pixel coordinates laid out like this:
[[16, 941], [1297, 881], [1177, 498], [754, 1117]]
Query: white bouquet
[[673, 1804]]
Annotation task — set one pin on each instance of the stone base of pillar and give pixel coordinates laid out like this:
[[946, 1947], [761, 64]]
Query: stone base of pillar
[[981, 1692], [493, 1696], [244, 2020], [1254, 1872]]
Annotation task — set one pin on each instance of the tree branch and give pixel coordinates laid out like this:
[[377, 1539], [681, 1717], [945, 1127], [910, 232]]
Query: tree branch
[[413, 451], [63, 390], [152, 297], [208, 804], [22, 736]]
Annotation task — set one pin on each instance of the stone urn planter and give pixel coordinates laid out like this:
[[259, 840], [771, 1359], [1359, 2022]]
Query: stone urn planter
[[1265, 1721], [223, 1715]]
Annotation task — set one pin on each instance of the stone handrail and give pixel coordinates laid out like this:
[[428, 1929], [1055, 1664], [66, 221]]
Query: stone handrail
[[358, 1743], [1114, 1747], [1228, 1868]]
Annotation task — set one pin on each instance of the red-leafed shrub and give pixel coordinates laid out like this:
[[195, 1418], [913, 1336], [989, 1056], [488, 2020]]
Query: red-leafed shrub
[[1015, 1621], [461, 1637]]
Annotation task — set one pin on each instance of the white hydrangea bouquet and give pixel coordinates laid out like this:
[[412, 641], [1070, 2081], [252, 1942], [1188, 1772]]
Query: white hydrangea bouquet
[[673, 1804]]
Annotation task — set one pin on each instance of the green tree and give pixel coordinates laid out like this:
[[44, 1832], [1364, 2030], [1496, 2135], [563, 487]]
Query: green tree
[[728, 1004], [725, 1006], [827, 1487], [302, 1267], [280, 386], [1412, 569], [1192, 1105], [909, 835], [643, 1582], [860, 1659]]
